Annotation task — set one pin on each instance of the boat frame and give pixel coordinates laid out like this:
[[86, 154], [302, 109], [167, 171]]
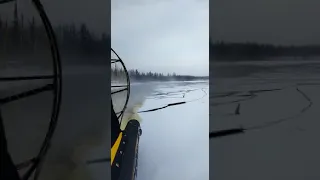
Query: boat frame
[[35, 163]]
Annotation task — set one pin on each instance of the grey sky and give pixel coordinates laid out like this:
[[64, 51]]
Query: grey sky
[[95, 13], [267, 21], [162, 36]]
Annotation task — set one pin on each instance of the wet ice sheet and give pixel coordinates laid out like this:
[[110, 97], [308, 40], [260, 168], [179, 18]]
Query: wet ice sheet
[[281, 103], [174, 142]]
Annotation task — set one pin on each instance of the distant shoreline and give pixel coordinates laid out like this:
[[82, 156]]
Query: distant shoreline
[[251, 51]]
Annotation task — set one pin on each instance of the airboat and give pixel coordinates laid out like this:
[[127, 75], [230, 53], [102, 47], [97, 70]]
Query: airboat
[[125, 130]]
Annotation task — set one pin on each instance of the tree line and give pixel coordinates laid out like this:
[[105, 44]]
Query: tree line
[[21, 36], [136, 75], [221, 50]]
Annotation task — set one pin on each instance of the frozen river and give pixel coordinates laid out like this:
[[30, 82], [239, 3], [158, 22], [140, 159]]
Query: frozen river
[[279, 106], [174, 142]]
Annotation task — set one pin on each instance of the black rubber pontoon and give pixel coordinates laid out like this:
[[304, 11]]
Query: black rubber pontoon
[[124, 143]]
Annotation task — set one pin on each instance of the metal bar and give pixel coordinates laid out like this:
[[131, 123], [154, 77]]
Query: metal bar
[[115, 60], [32, 92], [119, 86], [119, 90], [23, 78]]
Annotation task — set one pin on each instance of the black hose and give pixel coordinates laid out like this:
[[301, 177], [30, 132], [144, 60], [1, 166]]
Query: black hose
[[226, 132]]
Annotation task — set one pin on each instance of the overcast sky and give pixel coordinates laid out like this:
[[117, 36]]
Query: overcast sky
[[150, 35], [267, 21], [162, 36]]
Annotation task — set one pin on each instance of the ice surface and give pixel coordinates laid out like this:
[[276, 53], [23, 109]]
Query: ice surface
[[174, 142], [281, 100]]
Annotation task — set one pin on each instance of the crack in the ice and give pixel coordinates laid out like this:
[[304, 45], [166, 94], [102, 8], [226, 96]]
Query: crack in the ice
[[237, 111], [177, 103], [306, 97], [252, 94], [225, 94], [161, 95], [268, 124], [272, 123]]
